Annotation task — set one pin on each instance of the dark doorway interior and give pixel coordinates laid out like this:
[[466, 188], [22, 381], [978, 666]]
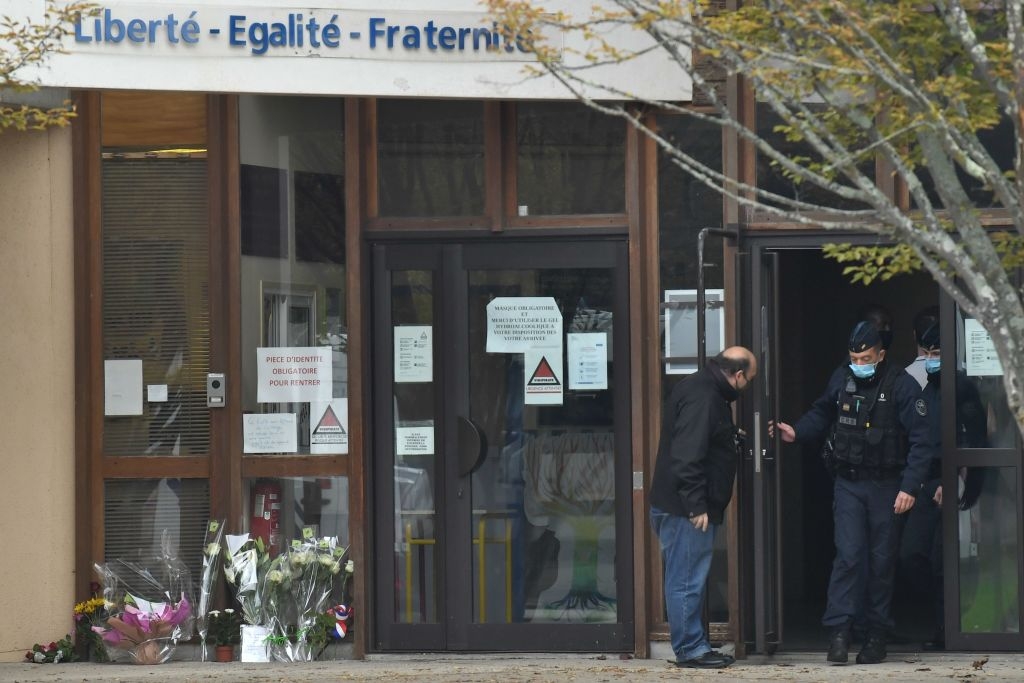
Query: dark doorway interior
[[818, 306]]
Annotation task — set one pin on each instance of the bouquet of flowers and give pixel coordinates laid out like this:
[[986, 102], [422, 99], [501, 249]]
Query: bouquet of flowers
[[91, 613], [149, 606], [245, 565], [61, 651], [211, 569], [297, 591]]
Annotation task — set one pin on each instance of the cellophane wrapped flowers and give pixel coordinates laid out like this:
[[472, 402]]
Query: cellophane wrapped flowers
[[208, 581], [149, 606], [245, 564], [297, 590]]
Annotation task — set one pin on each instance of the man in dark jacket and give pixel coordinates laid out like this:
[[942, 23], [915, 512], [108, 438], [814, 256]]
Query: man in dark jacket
[[692, 485], [874, 411]]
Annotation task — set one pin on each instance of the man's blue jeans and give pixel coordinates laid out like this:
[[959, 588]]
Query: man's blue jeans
[[686, 552]]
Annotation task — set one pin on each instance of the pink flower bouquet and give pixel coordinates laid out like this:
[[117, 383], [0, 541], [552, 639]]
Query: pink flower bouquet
[[147, 633]]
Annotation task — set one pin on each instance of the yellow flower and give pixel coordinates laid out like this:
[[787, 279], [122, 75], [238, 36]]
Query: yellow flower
[[89, 606]]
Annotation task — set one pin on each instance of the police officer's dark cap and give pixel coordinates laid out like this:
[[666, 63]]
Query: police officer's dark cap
[[863, 337], [927, 333]]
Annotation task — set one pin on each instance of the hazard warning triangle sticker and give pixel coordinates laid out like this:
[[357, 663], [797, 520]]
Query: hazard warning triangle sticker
[[543, 377], [329, 434]]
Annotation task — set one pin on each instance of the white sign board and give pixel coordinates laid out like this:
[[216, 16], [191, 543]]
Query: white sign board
[[156, 393], [270, 433], [543, 377], [122, 387], [386, 48], [516, 324], [588, 360], [681, 328], [982, 360], [417, 440], [328, 427], [414, 353], [296, 374]]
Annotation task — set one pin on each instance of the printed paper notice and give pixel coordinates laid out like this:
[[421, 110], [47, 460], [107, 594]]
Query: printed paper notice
[[982, 360], [122, 387], [328, 427], [156, 393], [543, 377], [588, 360], [417, 440], [270, 433], [414, 353], [516, 324], [300, 374]]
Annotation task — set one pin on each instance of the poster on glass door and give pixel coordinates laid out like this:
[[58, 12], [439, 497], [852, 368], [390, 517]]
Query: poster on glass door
[[293, 374], [517, 324], [543, 377], [328, 427], [414, 353]]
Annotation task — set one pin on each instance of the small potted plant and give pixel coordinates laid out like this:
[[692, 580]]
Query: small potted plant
[[225, 632]]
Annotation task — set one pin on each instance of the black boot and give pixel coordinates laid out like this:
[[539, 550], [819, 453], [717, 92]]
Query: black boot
[[839, 645], [873, 651]]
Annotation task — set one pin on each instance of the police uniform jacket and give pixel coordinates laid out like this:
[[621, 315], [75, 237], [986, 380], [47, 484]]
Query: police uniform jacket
[[911, 411], [698, 452], [970, 422]]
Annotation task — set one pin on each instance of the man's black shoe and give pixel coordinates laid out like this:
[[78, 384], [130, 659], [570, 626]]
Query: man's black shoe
[[873, 651], [839, 646], [708, 660]]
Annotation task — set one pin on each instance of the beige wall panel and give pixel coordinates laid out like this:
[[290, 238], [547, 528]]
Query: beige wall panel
[[36, 391]]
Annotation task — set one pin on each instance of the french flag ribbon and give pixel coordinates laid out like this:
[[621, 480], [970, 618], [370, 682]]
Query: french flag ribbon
[[341, 614]]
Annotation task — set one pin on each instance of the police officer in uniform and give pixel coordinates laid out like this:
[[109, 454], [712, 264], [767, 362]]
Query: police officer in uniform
[[921, 551], [881, 456]]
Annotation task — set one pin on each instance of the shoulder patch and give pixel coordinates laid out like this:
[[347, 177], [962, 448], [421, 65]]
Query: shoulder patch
[[921, 407]]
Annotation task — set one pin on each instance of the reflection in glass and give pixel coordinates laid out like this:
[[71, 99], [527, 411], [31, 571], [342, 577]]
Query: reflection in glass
[[155, 306], [138, 513], [981, 396], [571, 159], [293, 248], [415, 540], [988, 553], [544, 497], [277, 509], [431, 158]]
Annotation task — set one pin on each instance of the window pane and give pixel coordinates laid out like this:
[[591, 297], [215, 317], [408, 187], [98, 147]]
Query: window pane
[[292, 180], [155, 296], [543, 498], [416, 541], [431, 158], [771, 178], [137, 512], [570, 159], [277, 509], [984, 419], [989, 558]]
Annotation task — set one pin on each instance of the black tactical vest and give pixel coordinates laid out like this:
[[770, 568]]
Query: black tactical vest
[[868, 438]]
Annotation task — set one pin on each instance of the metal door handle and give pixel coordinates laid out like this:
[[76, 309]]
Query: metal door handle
[[472, 445]]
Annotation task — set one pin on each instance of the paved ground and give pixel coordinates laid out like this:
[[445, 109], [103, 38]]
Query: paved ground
[[573, 669]]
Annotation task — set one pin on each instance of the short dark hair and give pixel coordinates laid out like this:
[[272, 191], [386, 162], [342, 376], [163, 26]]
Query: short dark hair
[[730, 365]]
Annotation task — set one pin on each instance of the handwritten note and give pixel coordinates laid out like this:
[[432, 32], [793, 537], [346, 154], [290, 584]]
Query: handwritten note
[[270, 433]]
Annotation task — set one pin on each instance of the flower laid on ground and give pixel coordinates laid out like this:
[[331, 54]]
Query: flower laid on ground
[[140, 631], [208, 579], [225, 627], [246, 561], [61, 651], [88, 614]]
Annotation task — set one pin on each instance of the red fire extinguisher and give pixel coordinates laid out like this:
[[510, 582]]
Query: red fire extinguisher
[[265, 521]]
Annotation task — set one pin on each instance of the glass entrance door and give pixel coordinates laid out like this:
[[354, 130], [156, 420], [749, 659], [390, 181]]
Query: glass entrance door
[[502, 458]]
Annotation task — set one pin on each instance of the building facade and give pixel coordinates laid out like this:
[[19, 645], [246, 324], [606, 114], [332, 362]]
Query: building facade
[[404, 294]]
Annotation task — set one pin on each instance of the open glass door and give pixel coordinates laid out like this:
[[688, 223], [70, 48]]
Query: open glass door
[[502, 449], [765, 477]]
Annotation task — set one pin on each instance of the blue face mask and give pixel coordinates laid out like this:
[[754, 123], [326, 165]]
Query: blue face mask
[[863, 371], [932, 365]]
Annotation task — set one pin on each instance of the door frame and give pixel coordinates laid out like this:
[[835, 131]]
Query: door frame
[[753, 245], [455, 630]]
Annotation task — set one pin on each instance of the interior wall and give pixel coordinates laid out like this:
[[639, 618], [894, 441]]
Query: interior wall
[[818, 307], [37, 394]]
